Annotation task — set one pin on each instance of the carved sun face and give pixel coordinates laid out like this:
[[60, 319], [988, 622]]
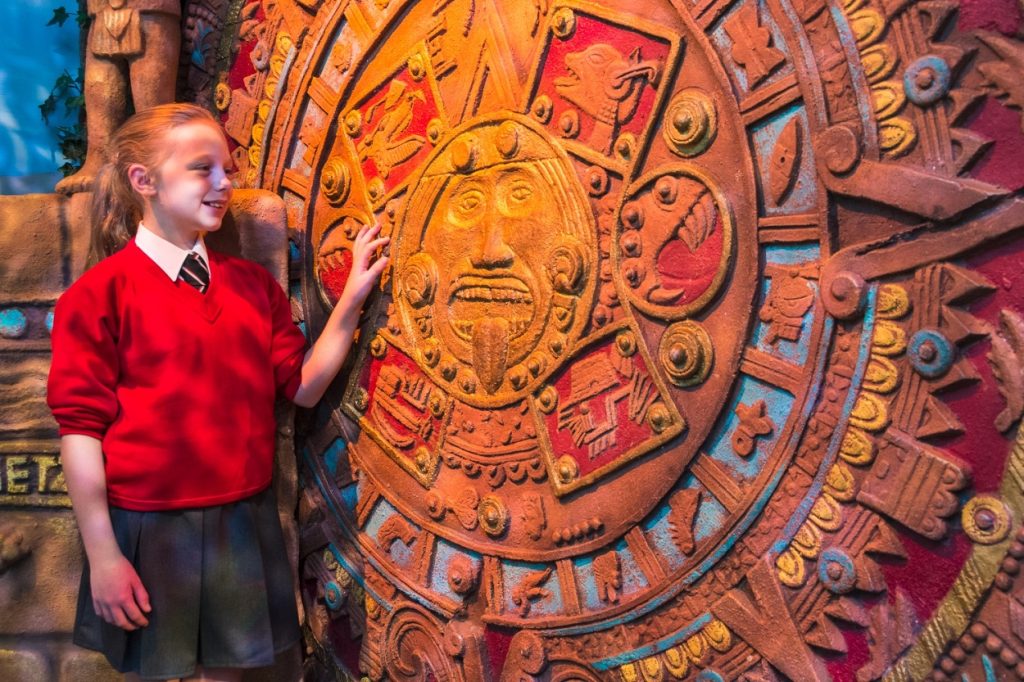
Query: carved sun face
[[491, 280], [494, 282]]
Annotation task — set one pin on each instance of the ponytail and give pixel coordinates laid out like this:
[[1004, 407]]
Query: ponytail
[[116, 214], [116, 208]]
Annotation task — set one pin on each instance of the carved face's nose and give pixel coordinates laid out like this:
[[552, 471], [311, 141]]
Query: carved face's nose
[[492, 251]]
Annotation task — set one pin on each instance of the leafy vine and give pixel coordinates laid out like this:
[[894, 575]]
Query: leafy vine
[[68, 93]]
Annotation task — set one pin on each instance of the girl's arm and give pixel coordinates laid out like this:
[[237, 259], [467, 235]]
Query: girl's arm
[[327, 355], [117, 593]]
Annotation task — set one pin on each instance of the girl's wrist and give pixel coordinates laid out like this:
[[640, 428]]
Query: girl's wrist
[[104, 555], [349, 305]]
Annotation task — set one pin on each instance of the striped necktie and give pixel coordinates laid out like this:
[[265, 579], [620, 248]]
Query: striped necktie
[[195, 272]]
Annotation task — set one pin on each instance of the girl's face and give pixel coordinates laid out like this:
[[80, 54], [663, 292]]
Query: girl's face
[[193, 183]]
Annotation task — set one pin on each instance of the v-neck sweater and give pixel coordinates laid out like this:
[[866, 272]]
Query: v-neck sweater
[[178, 385]]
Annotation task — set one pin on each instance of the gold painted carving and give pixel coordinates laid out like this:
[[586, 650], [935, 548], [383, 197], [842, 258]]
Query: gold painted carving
[[691, 123], [686, 353], [497, 247]]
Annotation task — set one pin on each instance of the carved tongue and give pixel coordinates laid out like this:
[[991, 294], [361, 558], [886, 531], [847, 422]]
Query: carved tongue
[[490, 351]]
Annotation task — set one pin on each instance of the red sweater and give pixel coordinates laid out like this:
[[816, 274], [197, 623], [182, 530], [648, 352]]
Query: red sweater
[[178, 385]]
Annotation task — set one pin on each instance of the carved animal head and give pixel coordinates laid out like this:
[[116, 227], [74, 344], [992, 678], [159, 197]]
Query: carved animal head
[[605, 84]]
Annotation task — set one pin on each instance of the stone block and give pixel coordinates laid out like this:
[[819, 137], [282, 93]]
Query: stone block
[[39, 592], [80, 665], [24, 665]]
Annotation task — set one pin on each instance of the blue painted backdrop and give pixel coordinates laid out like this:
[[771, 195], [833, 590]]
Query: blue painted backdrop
[[34, 55]]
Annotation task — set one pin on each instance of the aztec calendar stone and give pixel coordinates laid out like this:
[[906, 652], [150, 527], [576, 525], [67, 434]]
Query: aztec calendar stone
[[698, 355]]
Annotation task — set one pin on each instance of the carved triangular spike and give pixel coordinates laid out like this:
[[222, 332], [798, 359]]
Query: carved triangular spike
[[963, 102], [826, 636], [884, 542], [959, 326], [1005, 360], [906, 620], [869, 576], [1011, 328], [967, 148], [848, 611], [961, 373], [935, 15], [891, 632], [250, 84], [956, 57], [937, 420], [959, 285], [762, 619]]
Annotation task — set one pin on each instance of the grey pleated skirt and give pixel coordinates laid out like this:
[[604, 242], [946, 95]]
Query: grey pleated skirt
[[219, 585]]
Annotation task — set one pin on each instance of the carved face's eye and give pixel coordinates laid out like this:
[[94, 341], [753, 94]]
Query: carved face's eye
[[467, 205], [517, 194], [520, 192], [469, 201]]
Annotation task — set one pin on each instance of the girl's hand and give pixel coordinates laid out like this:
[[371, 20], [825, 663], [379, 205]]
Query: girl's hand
[[117, 593], [364, 273]]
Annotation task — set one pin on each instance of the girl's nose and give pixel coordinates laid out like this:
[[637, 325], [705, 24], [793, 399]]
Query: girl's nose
[[223, 182]]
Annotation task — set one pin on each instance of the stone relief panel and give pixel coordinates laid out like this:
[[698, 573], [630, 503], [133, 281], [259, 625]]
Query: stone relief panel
[[676, 370], [699, 352]]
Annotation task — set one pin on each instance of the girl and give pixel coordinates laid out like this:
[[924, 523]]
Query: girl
[[166, 361]]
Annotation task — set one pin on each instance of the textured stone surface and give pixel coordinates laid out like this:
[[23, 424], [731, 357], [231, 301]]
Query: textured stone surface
[[664, 377], [79, 665], [39, 592], [23, 665], [711, 372]]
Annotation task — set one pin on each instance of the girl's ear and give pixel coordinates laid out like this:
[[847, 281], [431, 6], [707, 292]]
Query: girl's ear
[[141, 180]]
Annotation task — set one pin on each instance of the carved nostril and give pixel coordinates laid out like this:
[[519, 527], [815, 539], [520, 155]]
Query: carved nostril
[[493, 252]]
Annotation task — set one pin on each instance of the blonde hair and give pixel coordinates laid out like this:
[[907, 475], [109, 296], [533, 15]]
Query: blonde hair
[[116, 208]]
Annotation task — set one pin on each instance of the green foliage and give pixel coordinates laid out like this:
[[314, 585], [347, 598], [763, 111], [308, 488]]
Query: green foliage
[[68, 94], [61, 15]]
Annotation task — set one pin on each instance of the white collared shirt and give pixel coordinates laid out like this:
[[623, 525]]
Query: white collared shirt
[[168, 256]]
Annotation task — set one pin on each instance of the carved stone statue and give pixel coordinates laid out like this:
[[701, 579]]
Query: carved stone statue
[[131, 62]]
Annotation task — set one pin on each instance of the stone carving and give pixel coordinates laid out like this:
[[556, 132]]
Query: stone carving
[[530, 589], [606, 85], [752, 45], [131, 58], [608, 576], [649, 275], [1005, 358], [471, 243], [753, 424], [788, 301], [672, 375], [673, 264]]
